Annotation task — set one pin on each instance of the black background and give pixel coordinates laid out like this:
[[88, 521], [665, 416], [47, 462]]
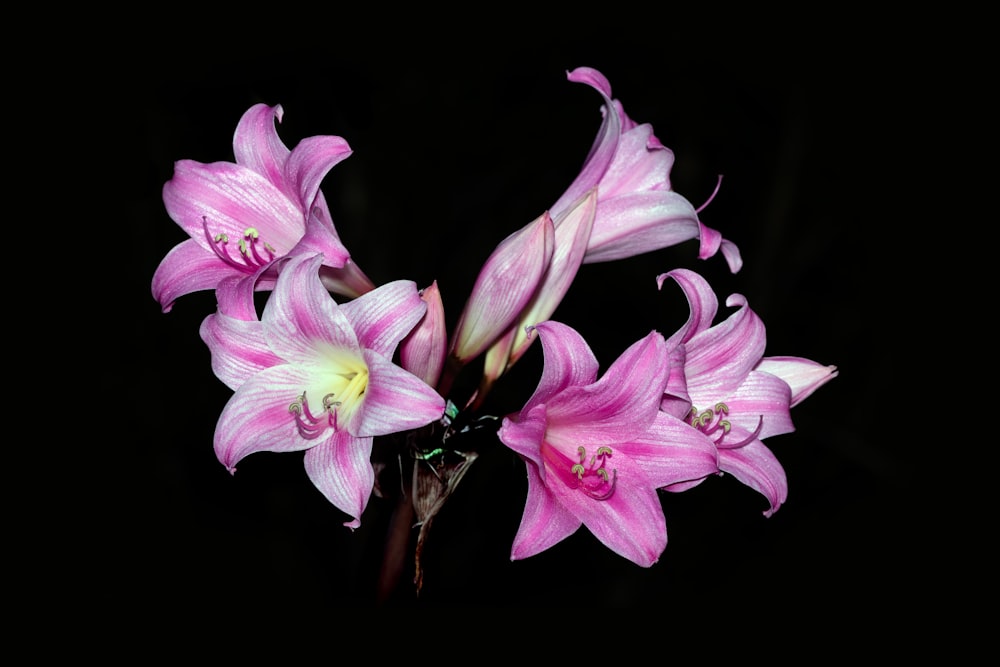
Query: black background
[[460, 137]]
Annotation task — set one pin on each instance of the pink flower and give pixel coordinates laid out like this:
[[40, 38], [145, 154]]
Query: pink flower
[[596, 451], [242, 216], [731, 393], [317, 376], [637, 210], [620, 205]]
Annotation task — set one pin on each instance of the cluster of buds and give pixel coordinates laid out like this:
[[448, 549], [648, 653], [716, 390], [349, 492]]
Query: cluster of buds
[[334, 365]]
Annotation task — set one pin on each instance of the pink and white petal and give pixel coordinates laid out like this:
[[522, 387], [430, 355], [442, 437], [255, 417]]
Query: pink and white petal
[[523, 433], [238, 348], [256, 145], [804, 376], [506, 282], [395, 400], [301, 321], [544, 522], [309, 163], [572, 233], [382, 317], [207, 200], [757, 467], [762, 399], [423, 350], [731, 253], [630, 522], [719, 358], [320, 237], [568, 361], [341, 469], [641, 163], [676, 401], [635, 223], [235, 294], [349, 280], [683, 486], [257, 419], [185, 269], [671, 452], [702, 303], [619, 406], [605, 143]]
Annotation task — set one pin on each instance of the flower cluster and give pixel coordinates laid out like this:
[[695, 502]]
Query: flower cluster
[[332, 363]]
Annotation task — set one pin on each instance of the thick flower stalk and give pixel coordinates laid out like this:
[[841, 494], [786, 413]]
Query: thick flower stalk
[[596, 451], [315, 375], [242, 216], [729, 392]]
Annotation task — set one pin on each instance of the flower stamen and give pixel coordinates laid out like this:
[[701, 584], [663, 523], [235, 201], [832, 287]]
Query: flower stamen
[[601, 488], [713, 421], [249, 246], [311, 426]]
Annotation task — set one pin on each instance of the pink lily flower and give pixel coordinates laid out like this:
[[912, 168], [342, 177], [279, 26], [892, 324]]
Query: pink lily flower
[[734, 395], [620, 205], [317, 376], [637, 211], [596, 451], [242, 216]]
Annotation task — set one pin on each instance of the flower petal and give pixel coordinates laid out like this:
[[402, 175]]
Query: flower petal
[[720, 357], [301, 320], [630, 522], [804, 376], [506, 282], [619, 406], [572, 233], [638, 222], [762, 402], [757, 467], [341, 469], [423, 350], [257, 146], [187, 268], [238, 348], [544, 523], [569, 361], [394, 401], [605, 143], [671, 452], [382, 317], [702, 303], [257, 419], [309, 163], [207, 200]]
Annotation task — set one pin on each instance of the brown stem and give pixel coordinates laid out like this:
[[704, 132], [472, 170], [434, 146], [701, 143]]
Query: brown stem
[[396, 545]]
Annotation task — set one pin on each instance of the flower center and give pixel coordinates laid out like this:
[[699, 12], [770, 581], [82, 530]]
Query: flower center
[[253, 252], [592, 476], [713, 421], [312, 421]]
